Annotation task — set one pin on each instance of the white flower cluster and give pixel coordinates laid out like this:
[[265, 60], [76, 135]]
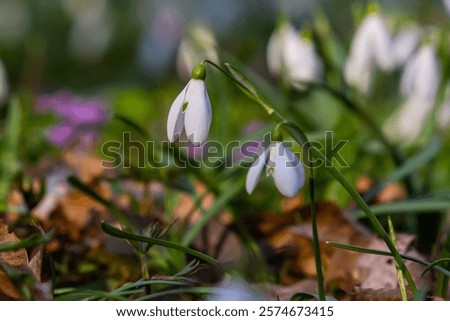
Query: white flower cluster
[[374, 47], [191, 112]]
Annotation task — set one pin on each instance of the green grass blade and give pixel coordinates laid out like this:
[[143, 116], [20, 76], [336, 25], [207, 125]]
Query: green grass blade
[[30, 241], [108, 229], [428, 205], [385, 253], [400, 277]]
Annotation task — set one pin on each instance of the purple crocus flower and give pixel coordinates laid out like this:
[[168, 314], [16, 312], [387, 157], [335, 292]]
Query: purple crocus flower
[[79, 117]]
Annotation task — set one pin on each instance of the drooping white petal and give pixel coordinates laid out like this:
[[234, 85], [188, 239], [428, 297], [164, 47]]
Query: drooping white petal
[[274, 51], [305, 65], [405, 42], [381, 44], [197, 120], [288, 172], [421, 74], [175, 120], [255, 170], [408, 122], [358, 73], [371, 46]]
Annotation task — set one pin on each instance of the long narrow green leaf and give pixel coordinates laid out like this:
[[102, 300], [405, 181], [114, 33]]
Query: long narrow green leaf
[[432, 264], [30, 241], [222, 200], [432, 148], [407, 207], [108, 229], [385, 253]]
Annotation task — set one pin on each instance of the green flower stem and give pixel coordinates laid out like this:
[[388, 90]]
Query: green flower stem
[[360, 112], [298, 135]]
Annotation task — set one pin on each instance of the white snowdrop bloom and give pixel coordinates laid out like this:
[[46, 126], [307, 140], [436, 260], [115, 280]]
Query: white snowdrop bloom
[[3, 84], [293, 57], [280, 163], [421, 74], [371, 45], [407, 123], [405, 43], [199, 44], [419, 85], [191, 110]]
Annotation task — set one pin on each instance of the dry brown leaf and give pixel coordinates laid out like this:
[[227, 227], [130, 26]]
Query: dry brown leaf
[[291, 233], [17, 258], [378, 272]]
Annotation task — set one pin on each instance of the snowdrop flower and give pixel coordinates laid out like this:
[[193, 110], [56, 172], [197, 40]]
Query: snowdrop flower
[[293, 56], [200, 44], [405, 43], [3, 84], [191, 110], [371, 46], [280, 163], [419, 85]]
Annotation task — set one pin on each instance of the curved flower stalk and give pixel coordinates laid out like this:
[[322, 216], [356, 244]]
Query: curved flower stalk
[[191, 110], [3, 84], [293, 57], [200, 43], [371, 46], [405, 43], [419, 84], [280, 163]]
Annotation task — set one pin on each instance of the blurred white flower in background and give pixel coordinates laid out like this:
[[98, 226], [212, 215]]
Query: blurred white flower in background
[[293, 57], [15, 21], [406, 42], [419, 85], [443, 113], [421, 74], [92, 28], [371, 46], [447, 6], [3, 84], [161, 36], [200, 43]]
